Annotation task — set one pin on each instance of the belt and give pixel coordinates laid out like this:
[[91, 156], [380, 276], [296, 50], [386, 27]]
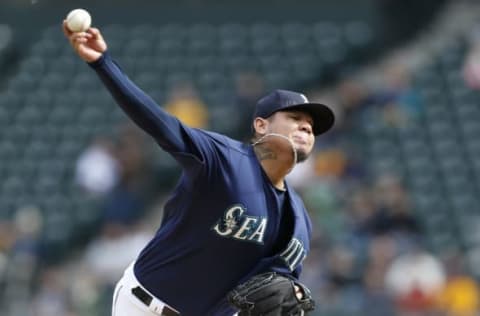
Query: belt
[[147, 299]]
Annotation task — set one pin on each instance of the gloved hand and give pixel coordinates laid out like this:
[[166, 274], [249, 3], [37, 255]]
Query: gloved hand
[[271, 294]]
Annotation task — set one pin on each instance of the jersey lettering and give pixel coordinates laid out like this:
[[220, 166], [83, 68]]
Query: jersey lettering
[[236, 225], [260, 231], [293, 254]]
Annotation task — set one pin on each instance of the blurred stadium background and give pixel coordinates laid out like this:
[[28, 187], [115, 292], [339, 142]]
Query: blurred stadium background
[[393, 189]]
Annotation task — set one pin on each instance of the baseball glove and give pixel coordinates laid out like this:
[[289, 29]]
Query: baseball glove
[[271, 294]]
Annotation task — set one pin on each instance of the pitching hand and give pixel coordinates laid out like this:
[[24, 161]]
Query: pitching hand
[[89, 45]]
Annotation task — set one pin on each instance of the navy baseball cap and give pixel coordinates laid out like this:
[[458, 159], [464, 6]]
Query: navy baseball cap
[[284, 100]]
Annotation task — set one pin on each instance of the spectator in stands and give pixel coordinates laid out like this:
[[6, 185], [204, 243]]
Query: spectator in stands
[[389, 99], [121, 236], [186, 105], [28, 224], [7, 234], [97, 169], [341, 265], [343, 291], [52, 297], [313, 273], [360, 208], [352, 95], [393, 214], [7, 238], [414, 279], [376, 301], [127, 200], [403, 102], [107, 255], [330, 163], [461, 294], [471, 64]]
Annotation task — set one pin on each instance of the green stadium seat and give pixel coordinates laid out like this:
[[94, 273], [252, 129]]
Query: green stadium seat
[[428, 76], [4, 116], [233, 40], [295, 33], [469, 232], [53, 82], [66, 66], [172, 79], [202, 40], [328, 40], [166, 47], [228, 31], [172, 30], [40, 99], [360, 38], [13, 186], [116, 35], [144, 32], [305, 68], [85, 81], [138, 48], [452, 57], [23, 82], [265, 39], [211, 80], [48, 47], [30, 114], [62, 115], [34, 65]]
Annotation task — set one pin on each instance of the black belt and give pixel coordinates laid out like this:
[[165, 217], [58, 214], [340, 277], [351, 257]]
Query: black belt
[[147, 299]]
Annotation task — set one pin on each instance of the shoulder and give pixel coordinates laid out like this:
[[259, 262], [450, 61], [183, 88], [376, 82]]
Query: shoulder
[[224, 142]]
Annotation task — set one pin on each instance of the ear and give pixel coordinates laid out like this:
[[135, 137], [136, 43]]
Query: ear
[[260, 125]]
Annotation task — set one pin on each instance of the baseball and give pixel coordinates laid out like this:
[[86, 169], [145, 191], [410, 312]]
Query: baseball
[[78, 20]]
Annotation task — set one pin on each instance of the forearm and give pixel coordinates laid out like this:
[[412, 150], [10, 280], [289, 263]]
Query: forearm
[[142, 109]]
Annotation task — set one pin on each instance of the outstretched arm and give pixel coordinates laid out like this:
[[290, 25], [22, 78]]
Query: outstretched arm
[[167, 130]]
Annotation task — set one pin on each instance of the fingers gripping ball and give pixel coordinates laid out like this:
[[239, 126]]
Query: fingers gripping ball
[[78, 20], [271, 294]]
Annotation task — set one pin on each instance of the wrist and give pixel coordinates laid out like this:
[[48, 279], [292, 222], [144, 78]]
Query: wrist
[[98, 61]]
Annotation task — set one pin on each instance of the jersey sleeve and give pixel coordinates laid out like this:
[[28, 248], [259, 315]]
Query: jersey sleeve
[[188, 146]]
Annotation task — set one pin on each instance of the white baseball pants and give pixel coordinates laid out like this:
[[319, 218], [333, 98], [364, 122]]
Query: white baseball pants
[[125, 303]]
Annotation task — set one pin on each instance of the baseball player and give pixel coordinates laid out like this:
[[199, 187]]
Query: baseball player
[[234, 233]]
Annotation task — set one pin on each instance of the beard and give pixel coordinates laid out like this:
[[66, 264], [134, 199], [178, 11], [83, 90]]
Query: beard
[[302, 155]]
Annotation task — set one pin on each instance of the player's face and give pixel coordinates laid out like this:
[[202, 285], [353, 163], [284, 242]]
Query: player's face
[[296, 125]]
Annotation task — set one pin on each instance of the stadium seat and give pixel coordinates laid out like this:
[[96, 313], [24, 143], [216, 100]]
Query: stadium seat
[[23, 82], [359, 36], [138, 47], [53, 82], [34, 65], [202, 40], [330, 46], [233, 39]]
